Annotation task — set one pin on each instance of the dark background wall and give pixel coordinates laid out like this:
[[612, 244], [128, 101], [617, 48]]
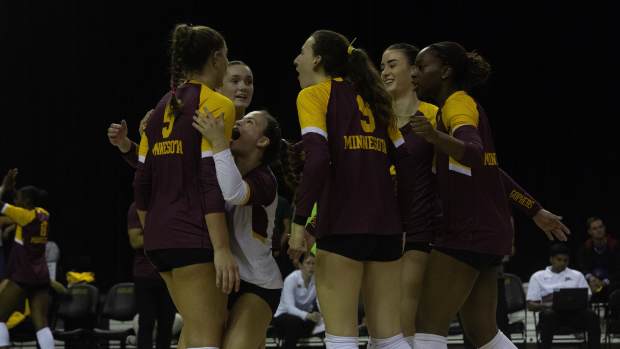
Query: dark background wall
[[70, 68]]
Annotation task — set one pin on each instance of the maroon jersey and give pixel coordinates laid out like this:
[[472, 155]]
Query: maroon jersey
[[27, 264], [347, 166], [475, 209], [416, 184], [175, 180]]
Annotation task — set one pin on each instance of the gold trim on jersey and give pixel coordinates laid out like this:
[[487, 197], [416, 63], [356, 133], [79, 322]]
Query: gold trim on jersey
[[457, 167], [259, 237]]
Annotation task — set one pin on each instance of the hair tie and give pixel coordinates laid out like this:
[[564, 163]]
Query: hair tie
[[351, 48]]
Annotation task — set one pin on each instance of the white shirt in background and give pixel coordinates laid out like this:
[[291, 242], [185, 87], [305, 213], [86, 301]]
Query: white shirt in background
[[296, 298], [545, 282]]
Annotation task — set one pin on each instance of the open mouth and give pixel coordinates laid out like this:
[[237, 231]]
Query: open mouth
[[235, 134], [388, 81]]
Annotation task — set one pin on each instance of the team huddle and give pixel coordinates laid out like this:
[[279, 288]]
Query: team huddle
[[413, 212]]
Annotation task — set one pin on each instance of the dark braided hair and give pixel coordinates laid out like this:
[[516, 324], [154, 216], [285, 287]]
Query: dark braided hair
[[292, 160], [470, 69], [190, 49], [274, 133], [357, 68]]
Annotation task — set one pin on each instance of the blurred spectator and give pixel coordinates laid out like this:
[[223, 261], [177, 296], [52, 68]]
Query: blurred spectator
[[596, 258], [296, 316], [540, 291]]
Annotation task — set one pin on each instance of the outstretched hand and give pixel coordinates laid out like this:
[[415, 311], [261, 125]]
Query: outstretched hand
[[552, 225]]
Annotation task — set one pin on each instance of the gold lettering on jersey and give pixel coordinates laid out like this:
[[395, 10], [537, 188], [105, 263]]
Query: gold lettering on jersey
[[38, 239], [44, 229], [490, 159], [168, 147], [521, 199], [357, 142]]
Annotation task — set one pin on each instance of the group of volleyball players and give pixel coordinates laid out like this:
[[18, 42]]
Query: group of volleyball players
[[452, 200], [415, 256]]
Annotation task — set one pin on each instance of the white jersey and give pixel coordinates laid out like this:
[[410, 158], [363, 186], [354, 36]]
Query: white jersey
[[252, 227], [251, 204]]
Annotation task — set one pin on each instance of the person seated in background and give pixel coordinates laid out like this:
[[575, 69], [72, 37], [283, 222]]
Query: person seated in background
[[296, 316], [596, 258], [540, 291]]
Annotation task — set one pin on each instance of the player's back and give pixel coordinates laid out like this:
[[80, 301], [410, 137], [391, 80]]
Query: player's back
[[180, 177], [360, 191]]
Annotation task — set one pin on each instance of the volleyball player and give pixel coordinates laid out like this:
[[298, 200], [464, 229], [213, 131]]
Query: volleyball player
[[476, 233], [250, 190], [238, 85], [177, 196], [347, 125], [28, 275], [418, 201]]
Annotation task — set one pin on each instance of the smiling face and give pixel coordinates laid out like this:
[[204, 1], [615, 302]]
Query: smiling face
[[248, 134], [396, 72], [305, 64], [239, 85]]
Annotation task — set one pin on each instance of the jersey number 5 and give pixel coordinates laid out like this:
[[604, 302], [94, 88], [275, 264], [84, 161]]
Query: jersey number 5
[[367, 119], [168, 122]]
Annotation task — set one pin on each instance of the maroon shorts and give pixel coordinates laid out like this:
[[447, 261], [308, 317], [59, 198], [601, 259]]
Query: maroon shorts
[[417, 246], [364, 248], [171, 258], [478, 261], [22, 269]]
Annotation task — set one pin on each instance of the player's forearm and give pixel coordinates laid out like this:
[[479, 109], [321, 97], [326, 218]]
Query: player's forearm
[[535, 305], [131, 154], [316, 168], [218, 231], [465, 146], [234, 190], [518, 197], [142, 188], [125, 145], [449, 145]]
